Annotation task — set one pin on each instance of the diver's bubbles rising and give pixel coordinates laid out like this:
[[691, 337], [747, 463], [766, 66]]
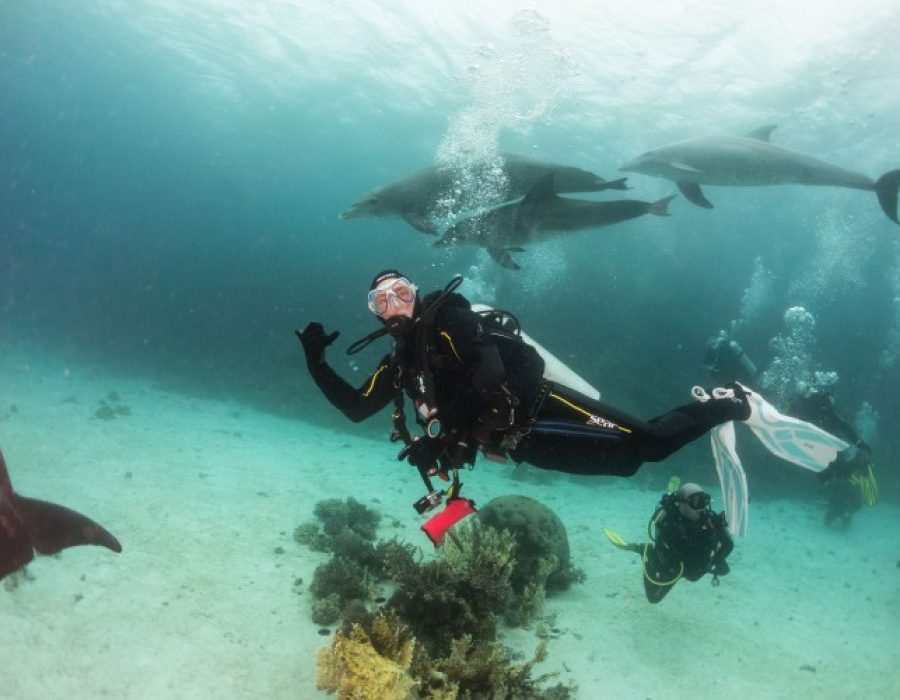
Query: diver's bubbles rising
[[758, 296], [513, 82], [890, 354], [866, 423], [792, 372], [836, 268], [479, 284]]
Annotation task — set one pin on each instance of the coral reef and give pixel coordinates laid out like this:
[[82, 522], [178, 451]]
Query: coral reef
[[436, 637], [336, 515], [354, 667], [382, 659], [327, 610], [539, 534], [459, 594], [542, 555], [348, 577]]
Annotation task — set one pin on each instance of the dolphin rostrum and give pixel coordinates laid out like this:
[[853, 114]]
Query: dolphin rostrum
[[414, 198], [752, 160], [541, 214], [28, 525]]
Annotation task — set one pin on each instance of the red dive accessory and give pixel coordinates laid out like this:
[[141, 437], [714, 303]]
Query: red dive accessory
[[456, 509]]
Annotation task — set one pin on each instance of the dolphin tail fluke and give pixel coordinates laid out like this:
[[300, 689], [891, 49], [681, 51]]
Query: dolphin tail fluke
[[694, 194], [27, 524], [886, 188], [52, 527], [661, 206]]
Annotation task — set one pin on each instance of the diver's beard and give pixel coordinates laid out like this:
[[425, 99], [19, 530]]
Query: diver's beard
[[399, 326]]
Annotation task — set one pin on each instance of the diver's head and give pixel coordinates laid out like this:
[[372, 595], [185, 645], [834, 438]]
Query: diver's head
[[692, 501], [392, 298]]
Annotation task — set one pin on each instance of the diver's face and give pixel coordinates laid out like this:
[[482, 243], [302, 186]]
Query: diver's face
[[394, 301], [399, 307]]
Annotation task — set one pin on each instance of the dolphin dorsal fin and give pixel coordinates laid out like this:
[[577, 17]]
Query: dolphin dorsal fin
[[542, 190], [762, 133]]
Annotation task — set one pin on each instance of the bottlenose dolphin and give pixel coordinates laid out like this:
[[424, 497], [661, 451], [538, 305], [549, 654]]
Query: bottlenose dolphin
[[752, 160], [414, 198], [28, 525], [541, 214]]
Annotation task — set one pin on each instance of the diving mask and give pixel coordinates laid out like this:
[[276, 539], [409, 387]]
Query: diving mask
[[698, 501], [401, 289]]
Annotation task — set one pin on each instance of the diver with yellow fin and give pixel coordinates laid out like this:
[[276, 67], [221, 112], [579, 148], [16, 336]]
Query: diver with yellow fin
[[687, 540], [849, 481]]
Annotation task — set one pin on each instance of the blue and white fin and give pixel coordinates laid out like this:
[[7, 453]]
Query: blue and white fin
[[733, 480], [792, 439]]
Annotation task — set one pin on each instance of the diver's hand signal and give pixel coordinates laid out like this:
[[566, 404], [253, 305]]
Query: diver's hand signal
[[314, 341]]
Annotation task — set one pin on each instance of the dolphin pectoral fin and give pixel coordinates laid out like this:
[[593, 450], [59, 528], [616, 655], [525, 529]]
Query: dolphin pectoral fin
[[612, 185], [762, 133], [419, 221], [692, 191], [886, 188], [501, 256], [53, 527]]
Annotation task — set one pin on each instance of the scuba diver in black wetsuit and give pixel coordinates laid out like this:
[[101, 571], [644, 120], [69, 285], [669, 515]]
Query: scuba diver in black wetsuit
[[476, 384], [849, 480], [688, 540], [726, 360]]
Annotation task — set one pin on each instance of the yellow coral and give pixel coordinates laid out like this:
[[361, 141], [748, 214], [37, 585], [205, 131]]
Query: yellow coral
[[352, 667]]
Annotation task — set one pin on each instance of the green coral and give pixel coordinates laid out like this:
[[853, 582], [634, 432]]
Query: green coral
[[483, 558], [542, 555], [327, 610], [311, 535], [459, 594], [347, 579], [336, 515]]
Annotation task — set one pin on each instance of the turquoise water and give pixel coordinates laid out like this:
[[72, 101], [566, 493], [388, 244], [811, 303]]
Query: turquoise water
[[172, 175]]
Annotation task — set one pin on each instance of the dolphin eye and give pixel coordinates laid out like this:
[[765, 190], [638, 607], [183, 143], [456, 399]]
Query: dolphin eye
[[373, 200]]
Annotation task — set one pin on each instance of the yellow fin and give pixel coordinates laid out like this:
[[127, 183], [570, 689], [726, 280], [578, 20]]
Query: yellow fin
[[615, 538], [674, 483]]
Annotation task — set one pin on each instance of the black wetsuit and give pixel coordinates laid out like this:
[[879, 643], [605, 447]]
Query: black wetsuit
[[844, 497], [491, 391], [684, 548]]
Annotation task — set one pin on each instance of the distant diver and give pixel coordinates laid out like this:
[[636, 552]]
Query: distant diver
[[417, 197], [752, 160], [28, 526], [726, 360], [541, 215], [849, 481], [687, 540], [476, 384]]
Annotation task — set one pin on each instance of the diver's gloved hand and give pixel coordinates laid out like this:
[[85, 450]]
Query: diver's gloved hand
[[314, 341], [424, 452]]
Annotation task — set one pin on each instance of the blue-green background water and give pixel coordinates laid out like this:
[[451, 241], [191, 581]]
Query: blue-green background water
[[172, 174]]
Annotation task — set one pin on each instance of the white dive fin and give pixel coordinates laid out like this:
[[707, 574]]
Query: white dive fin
[[732, 478], [795, 440], [555, 370]]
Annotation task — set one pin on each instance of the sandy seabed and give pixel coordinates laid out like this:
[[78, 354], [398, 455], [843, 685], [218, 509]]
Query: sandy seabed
[[203, 601]]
